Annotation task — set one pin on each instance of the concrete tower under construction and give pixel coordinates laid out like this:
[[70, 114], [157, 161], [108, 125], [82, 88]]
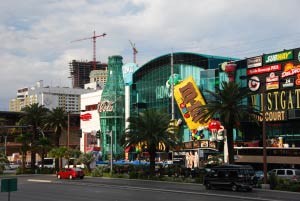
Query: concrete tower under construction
[[80, 72]]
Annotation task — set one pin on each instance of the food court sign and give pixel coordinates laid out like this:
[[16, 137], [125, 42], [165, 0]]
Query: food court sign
[[189, 99], [277, 57]]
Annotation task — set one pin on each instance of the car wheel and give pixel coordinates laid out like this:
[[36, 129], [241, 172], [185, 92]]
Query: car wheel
[[70, 177], [58, 176], [208, 186], [234, 187], [81, 177], [249, 189]]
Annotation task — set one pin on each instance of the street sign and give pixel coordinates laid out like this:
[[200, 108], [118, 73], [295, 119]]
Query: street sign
[[8, 185]]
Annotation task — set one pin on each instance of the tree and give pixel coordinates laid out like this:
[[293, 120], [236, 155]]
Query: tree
[[33, 115], [63, 152], [86, 159], [43, 146], [58, 153], [24, 139], [56, 120], [228, 104], [150, 127], [3, 161]]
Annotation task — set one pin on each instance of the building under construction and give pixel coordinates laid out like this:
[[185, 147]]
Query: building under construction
[[80, 72]]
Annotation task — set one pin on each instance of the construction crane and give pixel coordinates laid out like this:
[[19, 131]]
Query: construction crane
[[134, 51], [94, 45]]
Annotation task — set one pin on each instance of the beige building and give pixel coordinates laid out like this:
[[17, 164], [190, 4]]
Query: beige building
[[50, 97]]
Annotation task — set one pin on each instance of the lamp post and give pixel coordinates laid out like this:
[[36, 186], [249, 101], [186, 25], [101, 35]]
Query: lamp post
[[68, 132], [264, 136], [172, 87], [111, 150]]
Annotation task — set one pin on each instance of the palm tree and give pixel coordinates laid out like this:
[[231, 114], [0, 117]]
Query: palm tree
[[58, 153], [150, 127], [228, 103], [86, 159], [24, 139], [57, 121], [43, 145], [33, 115]]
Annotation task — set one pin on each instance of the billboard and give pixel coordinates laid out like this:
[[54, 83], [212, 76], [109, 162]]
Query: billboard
[[189, 99], [127, 70]]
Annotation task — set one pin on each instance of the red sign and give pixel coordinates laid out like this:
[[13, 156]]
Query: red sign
[[264, 69], [85, 117], [290, 69]]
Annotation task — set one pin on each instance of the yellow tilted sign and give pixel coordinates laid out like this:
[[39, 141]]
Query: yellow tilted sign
[[189, 99]]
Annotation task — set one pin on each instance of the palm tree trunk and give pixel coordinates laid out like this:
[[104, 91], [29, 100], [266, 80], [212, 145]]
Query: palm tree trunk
[[230, 145]]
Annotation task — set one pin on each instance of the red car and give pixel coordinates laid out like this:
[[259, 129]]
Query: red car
[[70, 173]]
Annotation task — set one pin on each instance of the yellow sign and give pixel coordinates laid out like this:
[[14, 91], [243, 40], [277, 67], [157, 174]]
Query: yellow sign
[[189, 99]]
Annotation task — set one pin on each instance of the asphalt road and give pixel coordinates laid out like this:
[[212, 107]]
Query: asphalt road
[[48, 188]]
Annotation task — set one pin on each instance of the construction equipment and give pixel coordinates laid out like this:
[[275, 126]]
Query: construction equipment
[[134, 51], [94, 45]]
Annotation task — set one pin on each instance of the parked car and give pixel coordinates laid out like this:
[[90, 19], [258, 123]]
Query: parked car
[[14, 166], [234, 177], [70, 173], [48, 163], [259, 174], [291, 174]]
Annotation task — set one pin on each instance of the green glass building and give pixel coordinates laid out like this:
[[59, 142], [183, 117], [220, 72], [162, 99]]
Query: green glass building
[[149, 88], [111, 109]]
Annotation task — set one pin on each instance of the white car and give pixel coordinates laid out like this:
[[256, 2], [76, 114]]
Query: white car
[[14, 166], [292, 174]]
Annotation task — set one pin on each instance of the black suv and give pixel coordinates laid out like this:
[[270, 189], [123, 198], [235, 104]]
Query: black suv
[[234, 177]]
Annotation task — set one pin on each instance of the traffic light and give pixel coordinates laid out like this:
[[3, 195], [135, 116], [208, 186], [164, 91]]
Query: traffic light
[[98, 134]]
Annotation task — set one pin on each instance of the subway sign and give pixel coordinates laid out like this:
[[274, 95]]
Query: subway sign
[[277, 57]]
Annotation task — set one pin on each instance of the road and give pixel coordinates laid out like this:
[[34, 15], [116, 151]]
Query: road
[[48, 188]]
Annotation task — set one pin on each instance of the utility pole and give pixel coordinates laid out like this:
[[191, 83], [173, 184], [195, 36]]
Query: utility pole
[[68, 132], [172, 87]]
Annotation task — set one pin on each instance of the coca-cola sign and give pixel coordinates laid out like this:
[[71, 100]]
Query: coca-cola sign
[[105, 106], [85, 117]]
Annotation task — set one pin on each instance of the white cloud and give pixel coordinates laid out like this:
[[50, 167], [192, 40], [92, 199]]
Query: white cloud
[[35, 36]]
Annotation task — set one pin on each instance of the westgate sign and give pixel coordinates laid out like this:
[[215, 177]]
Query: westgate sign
[[277, 103]]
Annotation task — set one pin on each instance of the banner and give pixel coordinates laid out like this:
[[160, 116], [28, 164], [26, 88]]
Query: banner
[[189, 99]]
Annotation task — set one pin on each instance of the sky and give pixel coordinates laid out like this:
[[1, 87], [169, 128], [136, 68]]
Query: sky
[[36, 35]]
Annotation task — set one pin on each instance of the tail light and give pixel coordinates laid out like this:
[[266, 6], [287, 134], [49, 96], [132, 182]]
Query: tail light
[[295, 177]]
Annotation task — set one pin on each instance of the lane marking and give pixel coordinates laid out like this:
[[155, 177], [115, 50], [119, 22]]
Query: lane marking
[[170, 191], [39, 180]]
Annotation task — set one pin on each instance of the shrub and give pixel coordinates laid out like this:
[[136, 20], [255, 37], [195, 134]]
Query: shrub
[[98, 171]]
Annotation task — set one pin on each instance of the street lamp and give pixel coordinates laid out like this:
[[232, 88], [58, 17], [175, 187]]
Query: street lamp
[[264, 135], [111, 150], [68, 132], [68, 129]]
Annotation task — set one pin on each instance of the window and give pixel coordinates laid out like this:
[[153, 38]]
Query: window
[[280, 172], [289, 172]]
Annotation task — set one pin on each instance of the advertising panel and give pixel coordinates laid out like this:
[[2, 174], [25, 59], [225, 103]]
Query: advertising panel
[[277, 57], [254, 62], [189, 99], [127, 70]]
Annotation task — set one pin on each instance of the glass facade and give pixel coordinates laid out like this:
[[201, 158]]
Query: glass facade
[[149, 89], [112, 109]]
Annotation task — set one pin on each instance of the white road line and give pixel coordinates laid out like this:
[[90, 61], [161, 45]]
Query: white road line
[[39, 180]]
